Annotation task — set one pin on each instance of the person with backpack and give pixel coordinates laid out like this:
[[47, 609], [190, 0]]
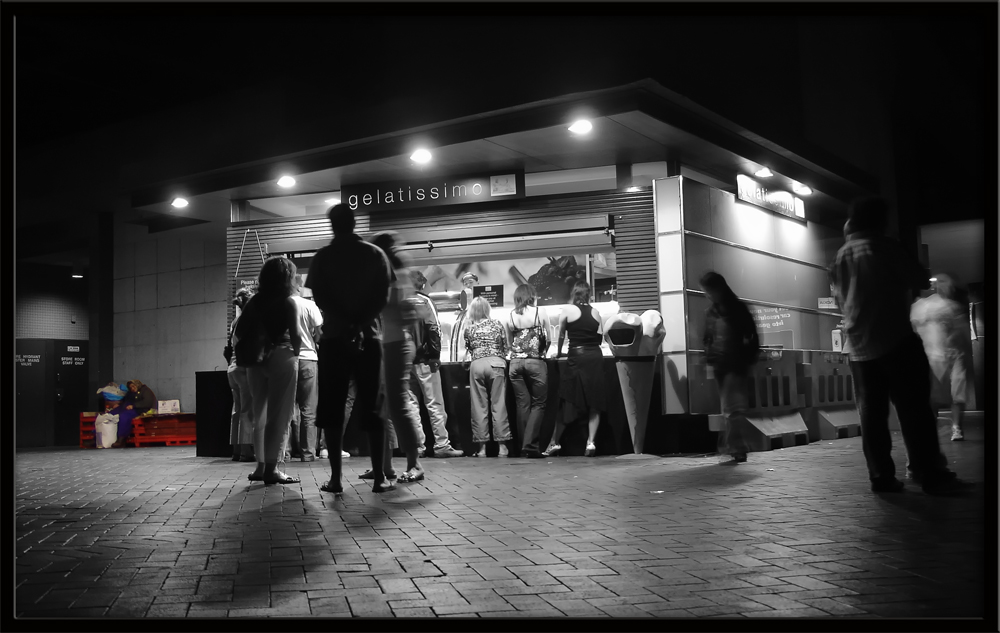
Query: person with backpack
[[731, 348], [425, 378]]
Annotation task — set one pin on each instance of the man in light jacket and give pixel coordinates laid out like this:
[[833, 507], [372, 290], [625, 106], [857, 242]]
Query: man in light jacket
[[302, 435]]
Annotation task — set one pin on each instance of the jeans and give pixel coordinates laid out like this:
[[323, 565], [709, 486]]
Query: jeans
[[734, 400], [241, 425], [303, 422], [405, 417], [902, 376], [339, 361], [528, 378], [488, 383], [428, 383], [273, 386]]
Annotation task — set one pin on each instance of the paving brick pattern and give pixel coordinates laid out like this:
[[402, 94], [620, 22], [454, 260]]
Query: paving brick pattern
[[161, 533]]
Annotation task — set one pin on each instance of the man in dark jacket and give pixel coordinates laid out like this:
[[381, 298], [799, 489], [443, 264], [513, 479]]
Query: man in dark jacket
[[425, 377], [875, 283], [350, 283], [731, 347]]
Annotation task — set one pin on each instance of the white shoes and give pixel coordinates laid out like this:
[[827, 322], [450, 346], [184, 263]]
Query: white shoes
[[552, 450], [344, 454], [591, 449]]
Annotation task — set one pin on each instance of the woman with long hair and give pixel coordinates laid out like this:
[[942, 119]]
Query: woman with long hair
[[486, 343], [529, 334], [581, 384], [731, 347], [398, 318], [273, 380]]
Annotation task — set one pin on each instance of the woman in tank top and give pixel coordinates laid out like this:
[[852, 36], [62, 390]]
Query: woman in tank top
[[581, 384], [527, 327]]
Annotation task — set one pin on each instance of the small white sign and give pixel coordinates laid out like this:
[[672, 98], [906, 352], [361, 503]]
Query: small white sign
[[827, 303], [505, 185], [72, 348], [838, 341], [168, 406]]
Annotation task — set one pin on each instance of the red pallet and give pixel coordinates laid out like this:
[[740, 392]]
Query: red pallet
[[170, 429]]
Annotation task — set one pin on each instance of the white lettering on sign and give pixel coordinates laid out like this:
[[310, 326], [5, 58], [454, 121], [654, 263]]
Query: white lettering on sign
[[749, 190], [72, 348], [67, 360], [827, 303], [27, 360]]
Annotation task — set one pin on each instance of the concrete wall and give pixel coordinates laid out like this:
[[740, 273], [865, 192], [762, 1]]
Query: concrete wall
[[169, 308], [48, 301]]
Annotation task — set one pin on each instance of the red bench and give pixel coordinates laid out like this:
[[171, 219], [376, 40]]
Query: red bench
[[169, 429]]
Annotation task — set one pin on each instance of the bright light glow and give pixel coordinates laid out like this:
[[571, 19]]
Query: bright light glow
[[421, 156], [800, 208], [802, 190], [179, 203], [332, 201], [632, 189], [763, 173], [286, 181], [581, 127], [77, 276], [933, 278]]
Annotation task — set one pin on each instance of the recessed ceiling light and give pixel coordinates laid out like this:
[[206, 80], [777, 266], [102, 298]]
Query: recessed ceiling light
[[286, 181], [179, 203], [77, 276], [332, 201], [763, 173], [581, 127], [421, 156], [802, 190]]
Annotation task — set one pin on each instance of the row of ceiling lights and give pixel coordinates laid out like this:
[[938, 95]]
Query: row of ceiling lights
[[802, 190], [421, 156]]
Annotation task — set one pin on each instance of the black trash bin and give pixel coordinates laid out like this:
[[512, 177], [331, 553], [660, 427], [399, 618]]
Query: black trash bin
[[214, 401]]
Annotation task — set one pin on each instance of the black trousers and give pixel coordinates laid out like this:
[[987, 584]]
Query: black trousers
[[339, 361], [903, 377]]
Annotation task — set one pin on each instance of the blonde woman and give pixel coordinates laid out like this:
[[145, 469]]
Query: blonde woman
[[486, 343]]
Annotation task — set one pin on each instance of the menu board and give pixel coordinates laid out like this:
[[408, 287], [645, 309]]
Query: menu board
[[492, 294]]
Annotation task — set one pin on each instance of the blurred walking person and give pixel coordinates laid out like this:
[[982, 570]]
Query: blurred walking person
[[302, 436], [581, 383], [731, 348], [529, 334], [943, 326], [425, 379], [398, 317], [486, 344], [268, 346], [241, 424], [350, 281], [875, 282]]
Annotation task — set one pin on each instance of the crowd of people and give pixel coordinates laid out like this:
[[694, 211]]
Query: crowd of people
[[371, 341]]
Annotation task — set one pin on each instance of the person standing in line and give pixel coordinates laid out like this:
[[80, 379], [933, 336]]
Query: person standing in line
[[302, 437], [352, 391], [529, 334], [732, 346], [943, 326], [398, 318], [272, 381], [581, 385], [486, 344], [241, 425], [350, 281], [875, 282], [425, 378]]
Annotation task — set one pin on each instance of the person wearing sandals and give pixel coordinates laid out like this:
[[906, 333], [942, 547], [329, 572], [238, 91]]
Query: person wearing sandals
[[581, 384], [272, 381], [528, 331], [350, 282], [398, 317], [486, 344]]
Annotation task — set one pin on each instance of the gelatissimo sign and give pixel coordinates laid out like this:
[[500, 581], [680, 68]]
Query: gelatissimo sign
[[441, 191], [749, 190]]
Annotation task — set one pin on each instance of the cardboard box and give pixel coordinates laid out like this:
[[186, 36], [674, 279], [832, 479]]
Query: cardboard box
[[168, 406]]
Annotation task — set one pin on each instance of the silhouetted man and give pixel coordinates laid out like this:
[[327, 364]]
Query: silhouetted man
[[875, 283], [350, 282]]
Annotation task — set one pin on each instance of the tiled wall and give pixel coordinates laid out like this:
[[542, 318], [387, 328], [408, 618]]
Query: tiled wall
[[46, 315], [170, 309]]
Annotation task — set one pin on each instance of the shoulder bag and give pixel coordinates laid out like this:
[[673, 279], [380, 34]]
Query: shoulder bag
[[253, 345]]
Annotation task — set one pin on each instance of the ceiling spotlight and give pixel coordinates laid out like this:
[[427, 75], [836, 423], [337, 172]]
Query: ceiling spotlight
[[332, 201], [77, 276], [286, 182], [763, 173], [179, 203], [77, 272], [933, 278], [421, 156], [581, 127], [802, 190]]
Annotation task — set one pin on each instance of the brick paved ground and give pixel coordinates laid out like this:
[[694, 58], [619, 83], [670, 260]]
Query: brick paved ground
[[159, 532]]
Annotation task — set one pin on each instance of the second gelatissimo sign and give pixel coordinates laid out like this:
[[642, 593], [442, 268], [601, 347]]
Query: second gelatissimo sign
[[441, 191]]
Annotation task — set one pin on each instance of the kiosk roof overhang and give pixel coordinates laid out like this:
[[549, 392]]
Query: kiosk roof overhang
[[637, 122]]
